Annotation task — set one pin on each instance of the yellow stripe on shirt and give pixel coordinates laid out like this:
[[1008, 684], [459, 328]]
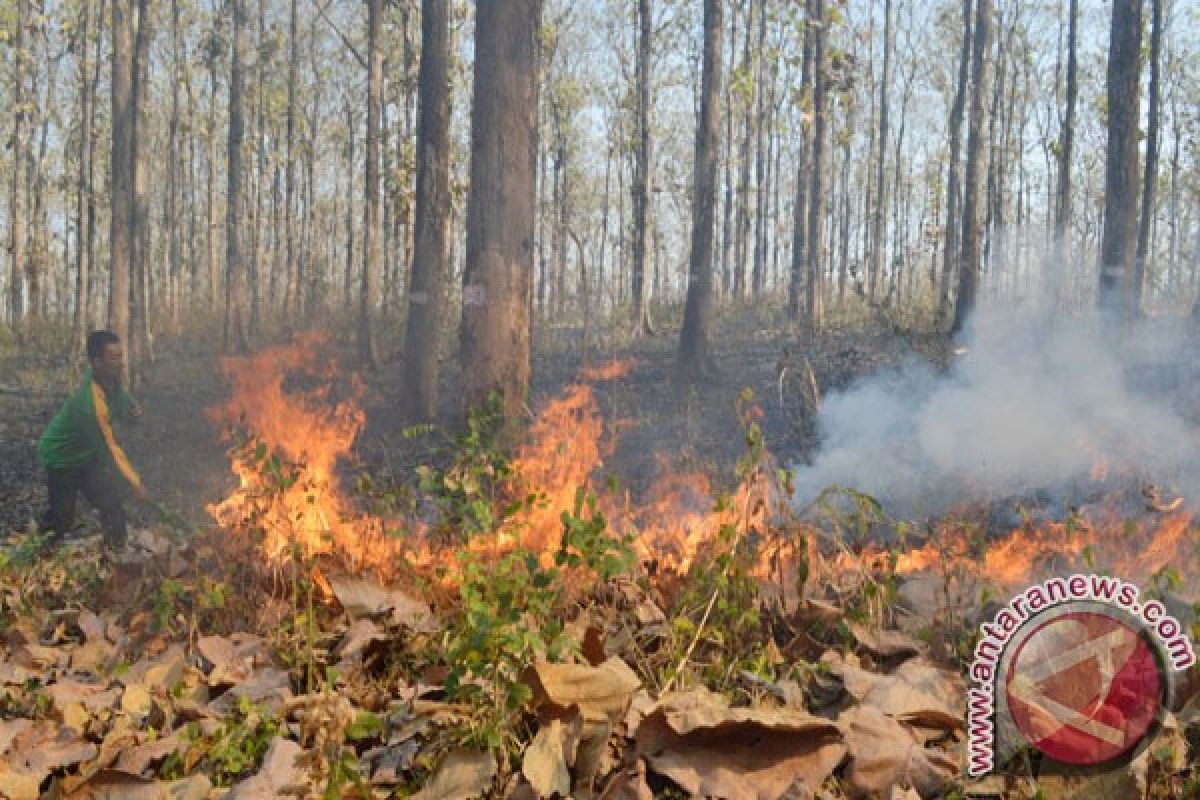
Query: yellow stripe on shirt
[[100, 400]]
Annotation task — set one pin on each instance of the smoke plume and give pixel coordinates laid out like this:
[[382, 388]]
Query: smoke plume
[[1034, 403]]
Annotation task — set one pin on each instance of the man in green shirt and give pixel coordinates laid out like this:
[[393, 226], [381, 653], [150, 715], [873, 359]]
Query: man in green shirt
[[81, 454]]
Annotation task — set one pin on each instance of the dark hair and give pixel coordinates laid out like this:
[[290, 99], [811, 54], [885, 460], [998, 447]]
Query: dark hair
[[97, 341]]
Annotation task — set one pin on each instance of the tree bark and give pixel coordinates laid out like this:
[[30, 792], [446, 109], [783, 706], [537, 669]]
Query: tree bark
[[501, 205], [1118, 247], [969, 260], [86, 119], [1062, 216], [694, 359], [642, 177], [291, 282], [803, 179], [16, 205], [235, 278], [878, 237], [953, 189], [1150, 178], [121, 177], [816, 204], [139, 343], [370, 277], [427, 298]]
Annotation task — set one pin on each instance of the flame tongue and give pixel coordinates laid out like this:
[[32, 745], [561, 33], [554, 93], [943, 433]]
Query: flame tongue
[[310, 430]]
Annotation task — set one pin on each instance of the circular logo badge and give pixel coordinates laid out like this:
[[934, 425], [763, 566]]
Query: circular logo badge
[[1084, 687]]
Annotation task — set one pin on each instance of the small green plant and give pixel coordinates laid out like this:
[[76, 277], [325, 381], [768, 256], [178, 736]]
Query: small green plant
[[466, 491], [166, 603], [508, 621], [586, 541], [238, 747]]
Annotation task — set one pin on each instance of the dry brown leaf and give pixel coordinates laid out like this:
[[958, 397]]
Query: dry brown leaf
[[20, 785], [363, 598], [361, 633], [10, 729], [921, 693], [270, 686], [226, 665], [109, 785], [628, 784], [547, 761], [135, 760], [884, 644], [93, 697], [277, 773], [463, 775], [600, 692], [884, 754], [707, 748]]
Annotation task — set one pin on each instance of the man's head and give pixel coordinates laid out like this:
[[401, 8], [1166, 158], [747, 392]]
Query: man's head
[[106, 356]]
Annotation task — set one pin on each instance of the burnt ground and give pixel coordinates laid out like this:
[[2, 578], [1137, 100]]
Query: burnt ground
[[184, 462]]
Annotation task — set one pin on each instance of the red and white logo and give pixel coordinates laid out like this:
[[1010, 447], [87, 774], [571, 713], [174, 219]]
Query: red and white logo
[[1083, 687]]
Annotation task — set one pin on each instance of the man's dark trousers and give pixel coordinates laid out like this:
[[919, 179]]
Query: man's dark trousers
[[99, 485]]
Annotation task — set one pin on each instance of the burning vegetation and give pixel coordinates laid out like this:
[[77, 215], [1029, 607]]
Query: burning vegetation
[[514, 622]]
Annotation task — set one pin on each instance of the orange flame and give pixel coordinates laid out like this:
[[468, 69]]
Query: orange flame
[[312, 430]]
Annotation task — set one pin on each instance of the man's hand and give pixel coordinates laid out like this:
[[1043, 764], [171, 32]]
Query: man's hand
[[135, 409], [140, 492]]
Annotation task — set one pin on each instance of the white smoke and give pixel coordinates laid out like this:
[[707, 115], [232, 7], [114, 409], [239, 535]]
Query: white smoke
[[1034, 403]]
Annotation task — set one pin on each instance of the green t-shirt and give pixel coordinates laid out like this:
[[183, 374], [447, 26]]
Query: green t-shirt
[[82, 430]]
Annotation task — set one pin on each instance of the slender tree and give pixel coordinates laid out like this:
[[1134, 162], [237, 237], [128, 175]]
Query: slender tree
[[501, 205], [82, 250], [235, 283], [694, 359], [1062, 216], [953, 189], [1150, 178], [121, 166], [878, 236], [1118, 248], [817, 202], [427, 298], [800, 204], [642, 175], [371, 230], [971, 255]]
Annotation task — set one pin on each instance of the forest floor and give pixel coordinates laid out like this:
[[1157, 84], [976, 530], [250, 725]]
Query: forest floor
[[783, 654]]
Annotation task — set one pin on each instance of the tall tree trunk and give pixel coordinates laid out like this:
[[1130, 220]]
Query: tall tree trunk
[[760, 156], [291, 282], [348, 263], [1118, 248], [427, 299], [878, 239], [803, 180], [121, 165], [969, 260], [139, 343], [16, 205], [642, 176], [174, 254], [235, 277], [501, 205], [1150, 180], [694, 359], [953, 189], [816, 203], [214, 262], [742, 232], [82, 251], [370, 277], [1062, 217]]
